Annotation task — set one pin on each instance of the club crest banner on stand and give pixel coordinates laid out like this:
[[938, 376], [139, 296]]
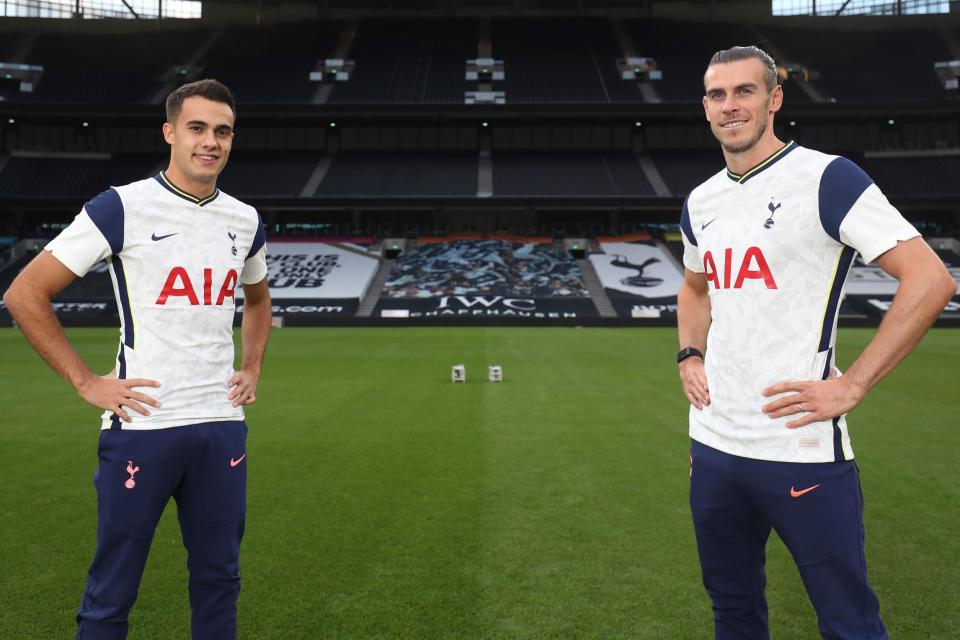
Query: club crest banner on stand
[[640, 278]]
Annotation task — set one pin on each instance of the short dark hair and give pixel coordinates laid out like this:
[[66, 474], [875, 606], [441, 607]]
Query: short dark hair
[[735, 54], [209, 89]]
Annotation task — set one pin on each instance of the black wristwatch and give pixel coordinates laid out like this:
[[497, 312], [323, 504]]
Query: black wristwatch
[[689, 352]]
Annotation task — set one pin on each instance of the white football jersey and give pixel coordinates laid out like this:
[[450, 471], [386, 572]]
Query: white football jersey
[[175, 261], [776, 244]]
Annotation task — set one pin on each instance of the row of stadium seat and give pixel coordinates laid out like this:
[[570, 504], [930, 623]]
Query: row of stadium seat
[[424, 174], [423, 60]]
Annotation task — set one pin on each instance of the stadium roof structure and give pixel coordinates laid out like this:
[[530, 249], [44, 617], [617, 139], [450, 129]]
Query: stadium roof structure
[[231, 12]]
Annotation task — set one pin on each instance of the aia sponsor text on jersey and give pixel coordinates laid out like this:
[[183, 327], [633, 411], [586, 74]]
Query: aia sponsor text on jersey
[[752, 266], [179, 284]]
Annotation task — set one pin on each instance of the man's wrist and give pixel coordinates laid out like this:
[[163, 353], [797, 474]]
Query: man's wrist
[[80, 379], [251, 369], [689, 352], [856, 385]]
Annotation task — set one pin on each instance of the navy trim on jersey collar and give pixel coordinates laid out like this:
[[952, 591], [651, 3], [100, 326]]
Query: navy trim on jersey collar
[[172, 188], [764, 165]]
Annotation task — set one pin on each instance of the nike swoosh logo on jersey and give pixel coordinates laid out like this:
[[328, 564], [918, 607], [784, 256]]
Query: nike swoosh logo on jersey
[[155, 237], [234, 463], [796, 494], [707, 224]]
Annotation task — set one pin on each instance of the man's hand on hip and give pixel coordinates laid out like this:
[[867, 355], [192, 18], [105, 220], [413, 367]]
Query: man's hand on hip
[[113, 394], [694, 380], [243, 386], [818, 399]]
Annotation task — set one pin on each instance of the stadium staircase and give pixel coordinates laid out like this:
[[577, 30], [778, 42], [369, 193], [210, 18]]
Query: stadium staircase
[[806, 86], [597, 292], [952, 42], [193, 66], [647, 89], [485, 174], [319, 173], [347, 35], [375, 290], [653, 176]]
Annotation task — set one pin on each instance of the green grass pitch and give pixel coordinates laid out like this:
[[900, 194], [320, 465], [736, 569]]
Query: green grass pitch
[[386, 502]]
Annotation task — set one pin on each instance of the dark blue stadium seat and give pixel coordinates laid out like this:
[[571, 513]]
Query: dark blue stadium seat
[[683, 50], [568, 173], [251, 173], [105, 68], [409, 61], [935, 176], [272, 64], [891, 66], [686, 169], [366, 174], [559, 60], [73, 178]]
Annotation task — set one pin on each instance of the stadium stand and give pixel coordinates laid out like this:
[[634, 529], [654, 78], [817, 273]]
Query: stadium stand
[[6, 250], [583, 69], [272, 64], [950, 258], [684, 170], [682, 50], [74, 69], [367, 174], [571, 157], [485, 267], [871, 65], [10, 271], [252, 173], [400, 61], [75, 177], [568, 173], [405, 60], [8, 44], [675, 245], [934, 175], [96, 286]]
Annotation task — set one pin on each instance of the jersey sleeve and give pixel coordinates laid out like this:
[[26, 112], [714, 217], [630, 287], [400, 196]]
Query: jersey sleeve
[[94, 235], [855, 212], [255, 266], [691, 252]]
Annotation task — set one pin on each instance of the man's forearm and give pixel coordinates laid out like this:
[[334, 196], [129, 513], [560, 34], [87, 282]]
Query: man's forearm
[[254, 332], [915, 306], [693, 317], [38, 323]]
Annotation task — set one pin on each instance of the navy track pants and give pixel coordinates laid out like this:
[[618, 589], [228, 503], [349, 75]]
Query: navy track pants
[[815, 508], [203, 467]]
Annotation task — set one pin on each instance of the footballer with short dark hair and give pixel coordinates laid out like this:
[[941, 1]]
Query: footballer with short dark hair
[[173, 425]]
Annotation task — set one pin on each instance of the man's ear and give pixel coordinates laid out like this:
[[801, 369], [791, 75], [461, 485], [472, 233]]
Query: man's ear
[[776, 99], [168, 132]]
